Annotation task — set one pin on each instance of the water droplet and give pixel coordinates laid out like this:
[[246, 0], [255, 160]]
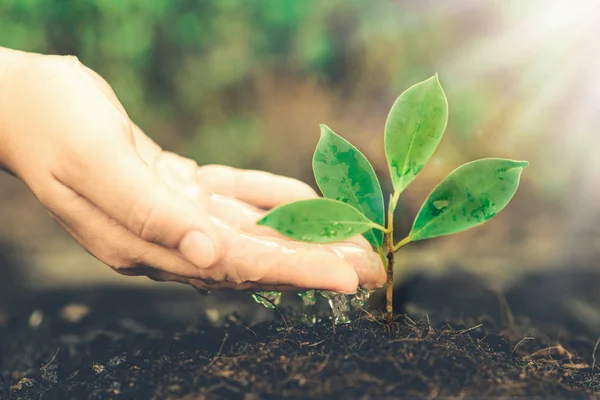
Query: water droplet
[[339, 306], [308, 298], [309, 301], [440, 204], [360, 298], [274, 298]]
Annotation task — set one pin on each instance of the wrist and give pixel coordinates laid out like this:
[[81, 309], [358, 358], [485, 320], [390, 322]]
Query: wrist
[[6, 56], [7, 59]]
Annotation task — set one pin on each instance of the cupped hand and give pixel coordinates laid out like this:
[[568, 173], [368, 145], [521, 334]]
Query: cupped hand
[[144, 211]]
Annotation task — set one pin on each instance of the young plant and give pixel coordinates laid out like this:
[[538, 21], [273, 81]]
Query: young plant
[[353, 203]]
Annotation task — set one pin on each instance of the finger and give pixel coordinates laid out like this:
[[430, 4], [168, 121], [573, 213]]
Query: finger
[[246, 286], [367, 264], [273, 262], [127, 192], [155, 274], [259, 188], [111, 243], [244, 216], [179, 173]]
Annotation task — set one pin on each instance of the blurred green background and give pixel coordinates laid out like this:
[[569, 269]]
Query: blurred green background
[[247, 82]]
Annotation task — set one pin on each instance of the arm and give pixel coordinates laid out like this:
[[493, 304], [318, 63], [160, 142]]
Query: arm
[[142, 210]]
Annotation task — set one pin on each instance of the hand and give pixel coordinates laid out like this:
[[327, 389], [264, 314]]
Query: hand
[[145, 211], [258, 257]]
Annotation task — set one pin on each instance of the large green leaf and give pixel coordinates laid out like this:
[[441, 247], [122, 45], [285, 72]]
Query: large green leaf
[[413, 130], [317, 220], [469, 196], [343, 173]]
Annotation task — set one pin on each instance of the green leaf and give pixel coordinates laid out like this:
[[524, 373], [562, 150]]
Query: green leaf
[[317, 220], [343, 173], [469, 196], [413, 130]]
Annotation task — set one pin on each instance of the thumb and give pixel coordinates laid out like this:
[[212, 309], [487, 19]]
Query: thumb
[[128, 191]]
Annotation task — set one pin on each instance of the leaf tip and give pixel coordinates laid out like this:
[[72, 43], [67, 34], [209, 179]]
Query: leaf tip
[[324, 129], [520, 164], [434, 83], [262, 221], [435, 78]]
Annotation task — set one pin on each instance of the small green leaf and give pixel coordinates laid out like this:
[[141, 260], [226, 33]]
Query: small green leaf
[[318, 221], [469, 196], [343, 173], [413, 130]]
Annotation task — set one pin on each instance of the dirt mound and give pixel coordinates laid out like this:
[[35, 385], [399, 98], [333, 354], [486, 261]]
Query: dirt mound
[[467, 343]]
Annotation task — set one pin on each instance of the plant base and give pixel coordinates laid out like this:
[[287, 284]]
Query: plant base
[[389, 288]]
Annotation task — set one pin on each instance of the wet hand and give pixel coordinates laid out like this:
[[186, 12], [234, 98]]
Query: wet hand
[[145, 211], [257, 257]]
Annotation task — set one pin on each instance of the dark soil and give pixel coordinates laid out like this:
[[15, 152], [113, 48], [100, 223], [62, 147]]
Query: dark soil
[[458, 339]]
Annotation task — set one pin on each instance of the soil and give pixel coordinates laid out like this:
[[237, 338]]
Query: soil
[[456, 338]]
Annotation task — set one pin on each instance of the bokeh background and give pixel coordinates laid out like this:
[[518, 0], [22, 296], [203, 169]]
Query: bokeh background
[[247, 82]]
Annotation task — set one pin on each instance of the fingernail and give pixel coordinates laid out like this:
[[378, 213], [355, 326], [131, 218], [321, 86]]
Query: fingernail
[[198, 249]]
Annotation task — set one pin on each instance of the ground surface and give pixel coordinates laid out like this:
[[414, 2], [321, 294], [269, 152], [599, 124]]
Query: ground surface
[[459, 339]]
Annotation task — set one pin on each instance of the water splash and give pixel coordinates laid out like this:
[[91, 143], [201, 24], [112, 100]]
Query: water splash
[[360, 298], [267, 299], [309, 300], [345, 308], [340, 306]]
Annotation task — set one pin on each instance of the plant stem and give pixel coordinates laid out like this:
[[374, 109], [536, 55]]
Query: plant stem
[[389, 240], [389, 292], [401, 243], [389, 315]]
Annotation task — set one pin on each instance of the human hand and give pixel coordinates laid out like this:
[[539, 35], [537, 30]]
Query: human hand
[[145, 211], [259, 256]]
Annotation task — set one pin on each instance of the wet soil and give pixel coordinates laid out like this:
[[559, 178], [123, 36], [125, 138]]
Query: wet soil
[[457, 338]]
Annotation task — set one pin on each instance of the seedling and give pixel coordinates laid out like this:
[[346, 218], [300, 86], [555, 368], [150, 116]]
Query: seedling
[[353, 201]]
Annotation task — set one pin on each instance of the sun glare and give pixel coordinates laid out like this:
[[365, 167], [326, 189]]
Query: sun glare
[[548, 53]]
